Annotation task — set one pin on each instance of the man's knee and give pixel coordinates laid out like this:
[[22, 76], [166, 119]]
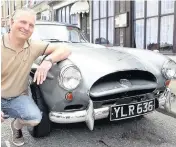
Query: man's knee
[[33, 119], [30, 122]]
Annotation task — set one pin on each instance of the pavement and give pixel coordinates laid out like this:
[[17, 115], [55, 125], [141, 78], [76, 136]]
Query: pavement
[[153, 130]]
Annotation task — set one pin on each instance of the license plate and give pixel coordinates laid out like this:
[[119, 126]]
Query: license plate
[[124, 111]]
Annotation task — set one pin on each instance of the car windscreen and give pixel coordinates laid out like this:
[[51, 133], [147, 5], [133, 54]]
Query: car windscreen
[[58, 33]]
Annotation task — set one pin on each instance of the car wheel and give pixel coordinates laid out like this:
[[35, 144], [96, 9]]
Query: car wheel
[[44, 127]]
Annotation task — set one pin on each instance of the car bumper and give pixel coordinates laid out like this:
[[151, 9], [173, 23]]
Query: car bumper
[[92, 114]]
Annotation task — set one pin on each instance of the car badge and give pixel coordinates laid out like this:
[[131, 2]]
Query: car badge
[[125, 83]]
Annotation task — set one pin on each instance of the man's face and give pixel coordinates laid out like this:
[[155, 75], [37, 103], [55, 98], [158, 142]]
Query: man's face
[[23, 26]]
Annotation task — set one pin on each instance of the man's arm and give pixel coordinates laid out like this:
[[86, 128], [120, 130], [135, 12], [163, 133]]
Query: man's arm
[[55, 53]]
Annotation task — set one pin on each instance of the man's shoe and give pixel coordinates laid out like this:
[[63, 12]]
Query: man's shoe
[[17, 136]]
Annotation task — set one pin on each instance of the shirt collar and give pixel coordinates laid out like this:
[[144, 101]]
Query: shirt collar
[[6, 42]]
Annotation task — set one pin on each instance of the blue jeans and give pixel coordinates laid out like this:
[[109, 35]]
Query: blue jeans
[[22, 107]]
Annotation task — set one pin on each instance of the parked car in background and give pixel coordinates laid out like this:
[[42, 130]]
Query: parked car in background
[[103, 42], [96, 82]]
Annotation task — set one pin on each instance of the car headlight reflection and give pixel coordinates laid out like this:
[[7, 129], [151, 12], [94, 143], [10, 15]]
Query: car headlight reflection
[[169, 69], [70, 78]]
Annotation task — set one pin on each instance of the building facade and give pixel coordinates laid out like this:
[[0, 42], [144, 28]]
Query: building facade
[[7, 8], [140, 24], [74, 12], [42, 9]]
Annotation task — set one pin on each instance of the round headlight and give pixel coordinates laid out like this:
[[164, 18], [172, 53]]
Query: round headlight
[[169, 69], [70, 78]]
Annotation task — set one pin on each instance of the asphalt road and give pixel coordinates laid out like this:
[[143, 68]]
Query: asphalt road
[[154, 130]]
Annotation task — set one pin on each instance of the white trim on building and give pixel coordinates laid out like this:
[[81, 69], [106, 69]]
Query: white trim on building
[[63, 3]]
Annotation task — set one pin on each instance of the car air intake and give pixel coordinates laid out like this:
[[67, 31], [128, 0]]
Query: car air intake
[[123, 84], [73, 107]]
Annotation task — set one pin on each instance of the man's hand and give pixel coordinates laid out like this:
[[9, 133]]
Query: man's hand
[[41, 72], [2, 116]]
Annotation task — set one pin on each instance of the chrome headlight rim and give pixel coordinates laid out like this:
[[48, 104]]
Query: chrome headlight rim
[[164, 69], [63, 70]]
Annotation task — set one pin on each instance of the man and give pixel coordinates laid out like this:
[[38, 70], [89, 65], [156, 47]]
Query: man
[[18, 54]]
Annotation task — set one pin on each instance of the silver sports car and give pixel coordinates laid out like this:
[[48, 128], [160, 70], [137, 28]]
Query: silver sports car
[[97, 82]]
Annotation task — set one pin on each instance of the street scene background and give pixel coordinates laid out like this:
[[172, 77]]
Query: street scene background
[[138, 24]]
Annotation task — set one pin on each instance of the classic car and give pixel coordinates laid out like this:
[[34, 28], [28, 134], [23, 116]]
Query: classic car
[[98, 82]]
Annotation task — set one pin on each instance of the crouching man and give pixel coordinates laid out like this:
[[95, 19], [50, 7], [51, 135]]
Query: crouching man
[[18, 53]]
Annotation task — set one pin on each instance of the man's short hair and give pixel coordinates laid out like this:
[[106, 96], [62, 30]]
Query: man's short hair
[[19, 11]]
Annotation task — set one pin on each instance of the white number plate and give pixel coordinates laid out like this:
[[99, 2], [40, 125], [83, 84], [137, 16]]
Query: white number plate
[[118, 112]]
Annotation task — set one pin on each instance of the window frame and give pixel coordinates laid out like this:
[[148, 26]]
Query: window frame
[[65, 18], [100, 18], [159, 16]]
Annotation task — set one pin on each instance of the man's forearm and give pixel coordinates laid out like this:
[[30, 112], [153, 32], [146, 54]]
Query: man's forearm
[[59, 54]]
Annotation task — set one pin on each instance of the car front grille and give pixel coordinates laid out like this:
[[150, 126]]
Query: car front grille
[[123, 84]]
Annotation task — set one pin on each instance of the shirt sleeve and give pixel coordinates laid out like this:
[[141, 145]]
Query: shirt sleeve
[[38, 47]]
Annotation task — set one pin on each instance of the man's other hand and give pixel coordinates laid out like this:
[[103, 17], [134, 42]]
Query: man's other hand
[[41, 72]]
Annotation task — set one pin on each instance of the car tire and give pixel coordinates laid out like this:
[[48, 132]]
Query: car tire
[[44, 127]]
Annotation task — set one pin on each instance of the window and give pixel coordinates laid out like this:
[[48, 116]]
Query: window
[[2, 11], [38, 16], [103, 9], [139, 33], [95, 30], [154, 29], [63, 14], [167, 6], [103, 28], [44, 18], [103, 23], [24, 2], [110, 8], [110, 29], [139, 9], [60, 15], [74, 19], [88, 26], [111, 21], [14, 5], [67, 14], [152, 8], [166, 33], [7, 6], [53, 32], [95, 9], [152, 33]]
